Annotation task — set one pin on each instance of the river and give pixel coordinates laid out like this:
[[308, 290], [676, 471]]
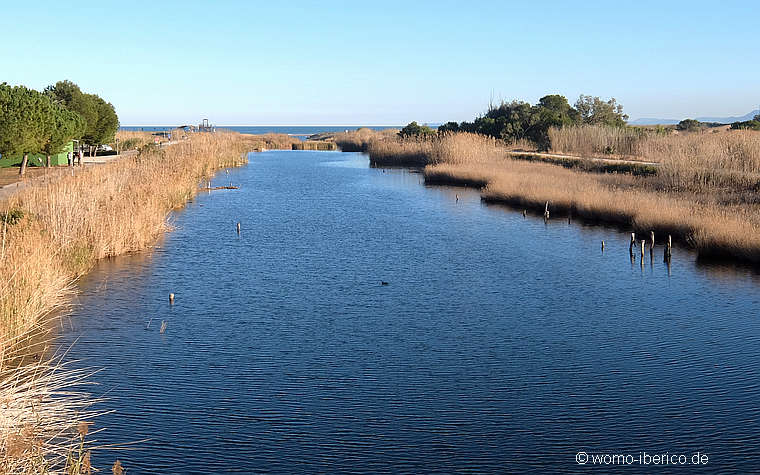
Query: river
[[499, 344]]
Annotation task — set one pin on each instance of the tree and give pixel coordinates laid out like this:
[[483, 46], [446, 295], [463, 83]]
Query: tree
[[107, 124], [25, 121], [595, 111], [448, 127], [100, 119], [551, 111], [65, 126], [689, 124], [413, 129]]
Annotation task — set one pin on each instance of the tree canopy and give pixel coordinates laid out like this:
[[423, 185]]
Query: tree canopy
[[26, 118], [517, 120], [596, 111], [413, 129], [100, 119]]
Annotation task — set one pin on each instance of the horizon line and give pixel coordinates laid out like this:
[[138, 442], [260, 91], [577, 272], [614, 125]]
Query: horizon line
[[271, 125]]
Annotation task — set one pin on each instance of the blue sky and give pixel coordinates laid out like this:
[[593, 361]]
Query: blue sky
[[389, 62]]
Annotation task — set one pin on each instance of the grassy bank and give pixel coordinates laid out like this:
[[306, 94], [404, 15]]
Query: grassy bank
[[703, 191], [52, 234]]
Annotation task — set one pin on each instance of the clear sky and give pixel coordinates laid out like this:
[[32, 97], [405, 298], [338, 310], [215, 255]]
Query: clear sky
[[388, 62]]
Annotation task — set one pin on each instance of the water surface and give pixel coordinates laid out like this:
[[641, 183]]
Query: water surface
[[501, 344]]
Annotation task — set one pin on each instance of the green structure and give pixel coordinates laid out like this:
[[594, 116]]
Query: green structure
[[39, 159]]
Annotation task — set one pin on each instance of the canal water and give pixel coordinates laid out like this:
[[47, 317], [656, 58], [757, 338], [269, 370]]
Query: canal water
[[500, 343]]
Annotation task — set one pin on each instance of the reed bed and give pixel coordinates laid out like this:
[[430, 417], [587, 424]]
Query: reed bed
[[596, 140], [53, 233], [45, 417], [359, 140], [270, 141], [696, 161], [132, 140], [715, 221]]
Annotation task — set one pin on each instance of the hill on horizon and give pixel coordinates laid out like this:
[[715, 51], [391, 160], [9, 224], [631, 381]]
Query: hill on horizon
[[720, 120]]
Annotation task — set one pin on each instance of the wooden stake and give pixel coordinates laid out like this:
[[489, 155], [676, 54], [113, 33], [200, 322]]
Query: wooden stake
[[642, 250], [633, 241], [171, 299], [602, 246], [238, 227], [651, 239], [668, 247], [546, 212]]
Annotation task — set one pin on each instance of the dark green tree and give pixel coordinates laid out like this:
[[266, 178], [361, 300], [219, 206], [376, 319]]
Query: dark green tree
[[448, 127], [413, 129], [66, 125], [100, 119], [26, 116], [689, 124]]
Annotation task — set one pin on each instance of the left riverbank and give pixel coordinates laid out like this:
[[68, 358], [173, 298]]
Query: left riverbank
[[51, 234]]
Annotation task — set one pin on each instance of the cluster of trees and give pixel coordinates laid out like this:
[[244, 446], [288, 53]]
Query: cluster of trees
[[520, 120], [690, 125], [753, 124], [413, 129], [45, 122]]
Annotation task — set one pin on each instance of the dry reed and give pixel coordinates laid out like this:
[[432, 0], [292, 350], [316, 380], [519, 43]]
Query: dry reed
[[697, 161]]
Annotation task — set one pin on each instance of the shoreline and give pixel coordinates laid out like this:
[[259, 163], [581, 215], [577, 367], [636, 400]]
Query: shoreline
[[102, 211], [715, 221]]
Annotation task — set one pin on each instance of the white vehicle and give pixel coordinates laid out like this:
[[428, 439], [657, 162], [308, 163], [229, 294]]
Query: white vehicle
[[105, 148]]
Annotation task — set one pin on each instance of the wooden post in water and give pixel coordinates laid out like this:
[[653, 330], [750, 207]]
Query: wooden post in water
[[651, 239], [602, 246], [642, 250], [238, 227], [668, 247], [525, 213], [546, 212], [171, 299], [633, 241]]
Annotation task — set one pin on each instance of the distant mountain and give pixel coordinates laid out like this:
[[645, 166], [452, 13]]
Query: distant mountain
[[720, 120]]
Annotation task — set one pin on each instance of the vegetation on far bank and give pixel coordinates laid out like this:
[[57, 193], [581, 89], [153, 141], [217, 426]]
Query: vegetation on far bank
[[701, 188]]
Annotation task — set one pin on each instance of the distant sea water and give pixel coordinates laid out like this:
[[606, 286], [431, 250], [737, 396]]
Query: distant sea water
[[300, 131]]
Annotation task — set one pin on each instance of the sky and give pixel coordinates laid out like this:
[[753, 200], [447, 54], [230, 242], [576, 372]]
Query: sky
[[352, 62]]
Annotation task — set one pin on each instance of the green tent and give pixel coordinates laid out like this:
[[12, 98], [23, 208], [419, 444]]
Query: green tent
[[39, 159]]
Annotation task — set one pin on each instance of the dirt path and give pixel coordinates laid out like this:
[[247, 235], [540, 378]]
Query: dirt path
[[605, 161]]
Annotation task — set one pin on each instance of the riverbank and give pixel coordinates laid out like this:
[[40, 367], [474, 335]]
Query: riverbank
[[706, 202], [54, 233]]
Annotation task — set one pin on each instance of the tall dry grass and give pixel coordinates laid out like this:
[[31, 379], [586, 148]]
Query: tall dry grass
[[270, 141], [696, 161], [132, 140], [53, 233], [45, 415], [595, 140], [359, 140]]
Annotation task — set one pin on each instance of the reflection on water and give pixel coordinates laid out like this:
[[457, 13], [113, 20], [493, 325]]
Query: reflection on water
[[501, 344]]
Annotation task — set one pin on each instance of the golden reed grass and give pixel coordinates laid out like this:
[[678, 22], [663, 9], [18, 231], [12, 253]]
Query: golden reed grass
[[694, 161], [358, 140], [59, 229], [703, 193]]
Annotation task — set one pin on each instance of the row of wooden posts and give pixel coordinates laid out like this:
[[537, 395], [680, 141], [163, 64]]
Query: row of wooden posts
[[668, 245], [667, 250]]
